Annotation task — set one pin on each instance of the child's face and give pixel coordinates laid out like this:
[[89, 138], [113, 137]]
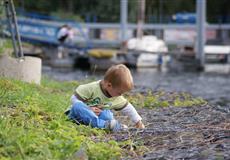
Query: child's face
[[115, 91]]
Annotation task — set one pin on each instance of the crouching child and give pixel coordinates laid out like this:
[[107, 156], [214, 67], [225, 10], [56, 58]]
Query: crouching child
[[92, 103]]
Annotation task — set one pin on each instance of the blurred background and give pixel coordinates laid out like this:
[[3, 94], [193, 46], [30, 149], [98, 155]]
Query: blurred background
[[156, 11], [173, 45]]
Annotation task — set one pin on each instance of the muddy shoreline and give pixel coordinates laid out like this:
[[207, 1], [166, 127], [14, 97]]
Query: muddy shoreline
[[201, 132]]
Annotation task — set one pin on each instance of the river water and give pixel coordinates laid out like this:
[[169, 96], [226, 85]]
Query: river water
[[214, 86]]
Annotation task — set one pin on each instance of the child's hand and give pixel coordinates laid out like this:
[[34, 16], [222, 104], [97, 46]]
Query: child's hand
[[140, 125], [96, 110]]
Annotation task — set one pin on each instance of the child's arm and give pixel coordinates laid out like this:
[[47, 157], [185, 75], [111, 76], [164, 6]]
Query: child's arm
[[74, 99], [130, 111]]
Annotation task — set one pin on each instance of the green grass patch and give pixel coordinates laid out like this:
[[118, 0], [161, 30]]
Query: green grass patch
[[33, 126], [165, 99], [6, 46]]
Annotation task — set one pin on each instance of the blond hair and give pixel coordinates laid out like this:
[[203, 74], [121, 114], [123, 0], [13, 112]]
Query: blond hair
[[119, 76]]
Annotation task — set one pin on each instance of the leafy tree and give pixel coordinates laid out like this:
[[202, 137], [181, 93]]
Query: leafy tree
[[218, 11], [109, 10], [1, 16]]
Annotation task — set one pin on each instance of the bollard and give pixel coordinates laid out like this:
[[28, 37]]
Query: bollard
[[27, 69]]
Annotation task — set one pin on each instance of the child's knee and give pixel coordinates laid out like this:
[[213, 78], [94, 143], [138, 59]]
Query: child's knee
[[78, 105]]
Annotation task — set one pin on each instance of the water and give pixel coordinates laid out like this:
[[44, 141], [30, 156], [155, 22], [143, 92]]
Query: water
[[214, 87]]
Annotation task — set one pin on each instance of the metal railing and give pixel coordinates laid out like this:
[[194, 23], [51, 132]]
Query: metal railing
[[13, 26]]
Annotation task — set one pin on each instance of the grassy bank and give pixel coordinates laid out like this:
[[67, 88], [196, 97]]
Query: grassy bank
[[161, 98], [33, 126], [5, 46]]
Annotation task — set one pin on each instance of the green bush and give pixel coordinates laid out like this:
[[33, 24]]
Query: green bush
[[67, 15]]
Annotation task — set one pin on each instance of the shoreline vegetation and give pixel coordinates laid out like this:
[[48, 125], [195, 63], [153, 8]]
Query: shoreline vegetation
[[6, 47], [33, 124]]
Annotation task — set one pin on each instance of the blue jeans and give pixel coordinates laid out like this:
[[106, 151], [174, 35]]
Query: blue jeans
[[82, 113]]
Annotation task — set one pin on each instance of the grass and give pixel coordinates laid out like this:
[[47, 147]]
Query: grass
[[5, 46], [33, 126], [165, 99]]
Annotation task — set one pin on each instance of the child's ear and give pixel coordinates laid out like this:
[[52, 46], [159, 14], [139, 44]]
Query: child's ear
[[109, 84]]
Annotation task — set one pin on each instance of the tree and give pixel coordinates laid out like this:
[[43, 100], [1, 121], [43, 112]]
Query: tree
[[109, 10]]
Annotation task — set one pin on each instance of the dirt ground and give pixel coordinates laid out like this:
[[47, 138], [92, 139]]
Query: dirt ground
[[199, 132]]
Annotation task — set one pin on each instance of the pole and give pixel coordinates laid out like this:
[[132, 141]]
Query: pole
[[201, 31], [9, 19], [20, 54], [13, 27], [141, 17], [123, 18]]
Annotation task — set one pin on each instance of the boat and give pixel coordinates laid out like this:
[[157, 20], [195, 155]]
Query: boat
[[149, 51], [217, 53], [102, 59]]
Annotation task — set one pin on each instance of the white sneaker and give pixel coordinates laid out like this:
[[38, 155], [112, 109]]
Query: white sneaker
[[114, 126]]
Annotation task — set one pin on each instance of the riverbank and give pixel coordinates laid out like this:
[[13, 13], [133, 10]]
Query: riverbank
[[33, 125], [198, 132]]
